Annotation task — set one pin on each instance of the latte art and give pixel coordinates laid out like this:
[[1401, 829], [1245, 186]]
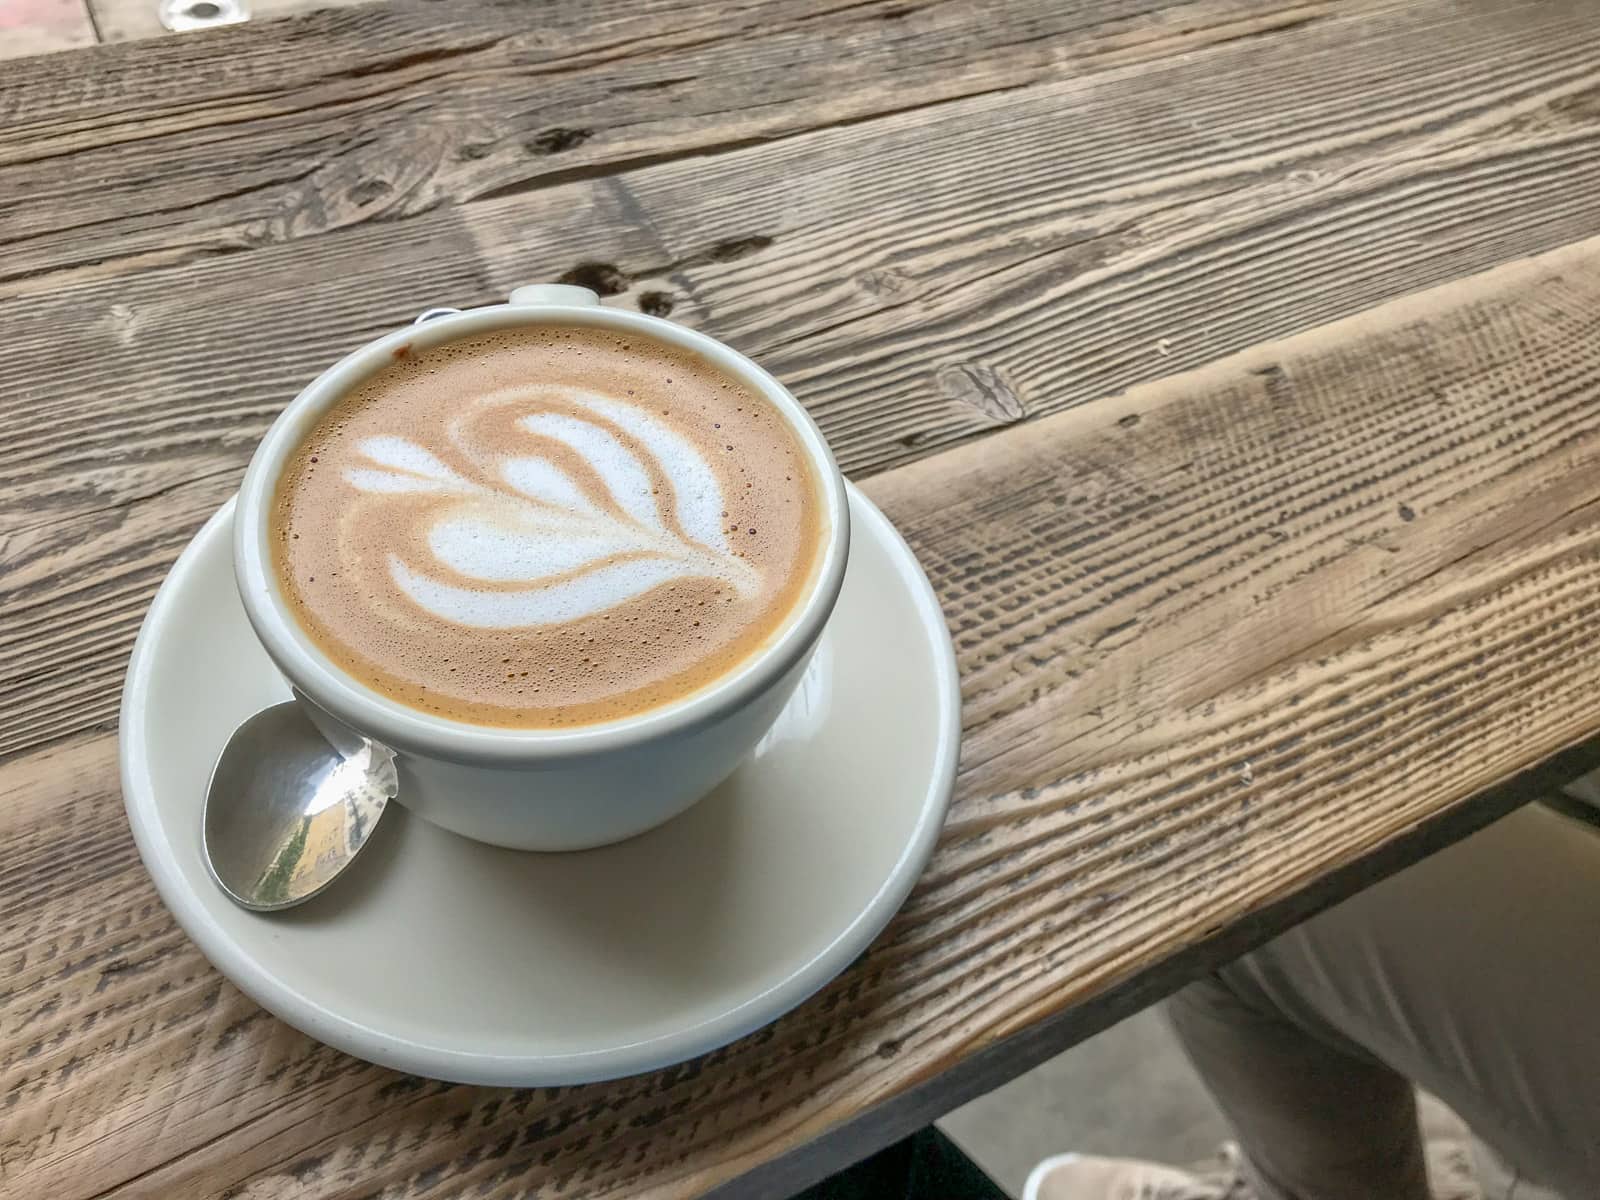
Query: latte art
[[530, 522], [546, 527]]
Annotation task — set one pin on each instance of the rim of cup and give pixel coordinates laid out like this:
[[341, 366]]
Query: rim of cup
[[402, 727]]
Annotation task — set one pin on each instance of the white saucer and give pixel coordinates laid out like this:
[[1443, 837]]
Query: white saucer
[[453, 959]]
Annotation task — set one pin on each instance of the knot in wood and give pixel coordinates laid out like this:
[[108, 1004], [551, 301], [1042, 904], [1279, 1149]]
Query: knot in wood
[[981, 387]]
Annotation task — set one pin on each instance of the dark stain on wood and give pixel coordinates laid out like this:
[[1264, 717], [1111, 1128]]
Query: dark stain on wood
[[370, 190], [735, 248], [307, 1168], [401, 1085], [554, 141], [601, 278], [656, 304]]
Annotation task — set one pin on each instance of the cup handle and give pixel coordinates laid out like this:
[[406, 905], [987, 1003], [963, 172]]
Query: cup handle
[[564, 295], [431, 313], [560, 295]]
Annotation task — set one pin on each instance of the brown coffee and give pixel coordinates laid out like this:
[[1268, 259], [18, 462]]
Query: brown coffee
[[546, 526]]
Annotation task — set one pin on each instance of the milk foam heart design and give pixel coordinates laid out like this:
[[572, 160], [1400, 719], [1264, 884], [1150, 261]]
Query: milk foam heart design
[[527, 520]]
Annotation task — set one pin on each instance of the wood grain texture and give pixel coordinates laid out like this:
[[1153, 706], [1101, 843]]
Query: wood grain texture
[[912, 302], [1231, 639], [1219, 637], [363, 115]]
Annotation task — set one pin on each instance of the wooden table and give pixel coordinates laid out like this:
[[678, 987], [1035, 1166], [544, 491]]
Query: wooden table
[[1234, 369]]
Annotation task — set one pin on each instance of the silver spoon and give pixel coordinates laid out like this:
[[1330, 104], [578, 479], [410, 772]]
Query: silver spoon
[[290, 805]]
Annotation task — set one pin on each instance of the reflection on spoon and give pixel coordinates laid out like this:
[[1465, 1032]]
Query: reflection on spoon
[[286, 812]]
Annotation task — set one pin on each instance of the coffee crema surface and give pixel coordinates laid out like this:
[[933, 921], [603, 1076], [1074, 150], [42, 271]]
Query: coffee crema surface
[[546, 526]]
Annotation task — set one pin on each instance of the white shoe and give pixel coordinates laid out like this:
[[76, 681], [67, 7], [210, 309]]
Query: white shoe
[[1447, 1146], [1083, 1177]]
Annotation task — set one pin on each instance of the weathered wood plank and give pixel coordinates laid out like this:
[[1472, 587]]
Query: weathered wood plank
[[1361, 564], [370, 114], [1121, 227], [1101, 248]]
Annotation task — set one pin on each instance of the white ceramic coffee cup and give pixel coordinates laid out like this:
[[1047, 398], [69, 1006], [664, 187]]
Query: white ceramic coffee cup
[[537, 789]]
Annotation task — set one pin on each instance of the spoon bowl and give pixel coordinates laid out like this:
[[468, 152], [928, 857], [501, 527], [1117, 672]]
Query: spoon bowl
[[286, 811]]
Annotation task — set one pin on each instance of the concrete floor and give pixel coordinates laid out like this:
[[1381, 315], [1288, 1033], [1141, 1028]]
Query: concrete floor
[[1129, 1091]]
